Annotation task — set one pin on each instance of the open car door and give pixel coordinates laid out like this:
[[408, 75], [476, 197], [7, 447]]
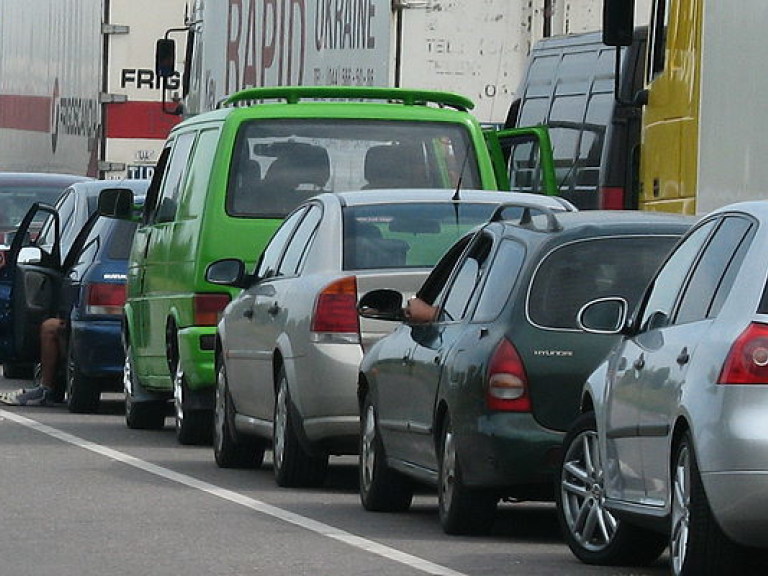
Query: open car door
[[30, 282], [523, 160]]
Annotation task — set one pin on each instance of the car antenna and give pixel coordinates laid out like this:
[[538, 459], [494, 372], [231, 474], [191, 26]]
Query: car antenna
[[457, 193]]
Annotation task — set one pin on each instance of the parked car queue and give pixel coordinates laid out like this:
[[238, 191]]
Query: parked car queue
[[668, 448]]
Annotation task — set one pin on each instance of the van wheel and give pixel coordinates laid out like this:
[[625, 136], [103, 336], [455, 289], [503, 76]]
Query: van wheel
[[83, 393], [463, 510], [293, 466], [193, 426], [139, 415], [230, 449]]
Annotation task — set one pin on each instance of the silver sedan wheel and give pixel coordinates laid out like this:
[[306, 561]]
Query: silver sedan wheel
[[281, 423], [367, 449], [582, 494], [178, 396], [219, 411], [681, 509]]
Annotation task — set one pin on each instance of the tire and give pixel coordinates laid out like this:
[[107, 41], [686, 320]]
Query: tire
[[697, 545], [193, 427], [381, 488], [83, 393], [592, 532], [293, 466], [14, 371], [140, 415], [230, 449], [462, 510]]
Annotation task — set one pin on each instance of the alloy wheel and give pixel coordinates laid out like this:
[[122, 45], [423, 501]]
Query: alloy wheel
[[681, 510]]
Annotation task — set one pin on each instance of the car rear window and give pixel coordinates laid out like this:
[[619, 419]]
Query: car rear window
[[576, 273], [121, 239], [411, 235], [279, 163]]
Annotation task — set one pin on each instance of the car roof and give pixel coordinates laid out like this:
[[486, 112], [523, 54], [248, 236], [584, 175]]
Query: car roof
[[95, 186], [37, 178], [442, 195]]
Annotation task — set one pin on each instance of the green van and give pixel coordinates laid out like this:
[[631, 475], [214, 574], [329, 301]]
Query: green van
[[227, 178]]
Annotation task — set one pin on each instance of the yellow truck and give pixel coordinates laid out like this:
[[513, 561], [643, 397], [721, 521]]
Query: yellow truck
[[704, 129]]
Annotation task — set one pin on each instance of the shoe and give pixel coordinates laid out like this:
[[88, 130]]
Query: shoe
[[38, 396]]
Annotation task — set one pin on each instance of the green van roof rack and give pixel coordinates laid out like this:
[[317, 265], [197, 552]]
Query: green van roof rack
[[294, 94], [526, 218]]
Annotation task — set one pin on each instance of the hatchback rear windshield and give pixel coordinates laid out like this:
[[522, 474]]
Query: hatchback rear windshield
[[406, 235], [279, 163], [576, 273]]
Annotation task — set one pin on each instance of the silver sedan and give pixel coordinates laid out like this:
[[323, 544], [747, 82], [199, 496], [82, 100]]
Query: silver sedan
[[672, 445], [289, 346]]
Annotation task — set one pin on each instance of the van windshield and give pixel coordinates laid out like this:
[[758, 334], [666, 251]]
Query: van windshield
[[279, 163]]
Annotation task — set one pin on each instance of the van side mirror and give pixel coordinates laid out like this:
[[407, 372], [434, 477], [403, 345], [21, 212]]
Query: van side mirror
[[165, 58], [618, 22], [116, 203]]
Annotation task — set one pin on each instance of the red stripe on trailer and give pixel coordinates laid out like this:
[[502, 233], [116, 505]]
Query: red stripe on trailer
[[30, 113], [139, 120]]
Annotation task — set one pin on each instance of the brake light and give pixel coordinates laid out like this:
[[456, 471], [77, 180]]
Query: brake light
[[207, 308], [103, 298], [335, 318], [507, 381], [747, 361], [612, 198]]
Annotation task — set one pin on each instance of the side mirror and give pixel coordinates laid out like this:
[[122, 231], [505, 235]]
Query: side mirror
[[30, 255], [618, 22], [165, 58], [382, 305], [116, 203], [603, 316], [227, 272]]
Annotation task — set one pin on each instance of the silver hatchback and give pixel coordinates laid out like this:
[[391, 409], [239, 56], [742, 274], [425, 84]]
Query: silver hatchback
[[672, 444], [289, 346]]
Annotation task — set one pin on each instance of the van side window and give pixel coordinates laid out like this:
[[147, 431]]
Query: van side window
[[657, 43], [171, 189], [153, 191], [192, 202]]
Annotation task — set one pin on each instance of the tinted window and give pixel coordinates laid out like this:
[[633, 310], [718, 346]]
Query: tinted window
[[666, 286], [171, 190], [406, 235], [279, 163], [502, 276], [466, 281], [271, 256], [573, 274], [300, 242], [121, 238], [709, 277]]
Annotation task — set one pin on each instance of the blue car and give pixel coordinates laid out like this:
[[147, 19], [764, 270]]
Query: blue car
[[95, 284]]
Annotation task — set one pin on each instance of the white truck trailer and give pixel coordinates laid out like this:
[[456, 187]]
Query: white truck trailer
[[78, 91], [477, 48]]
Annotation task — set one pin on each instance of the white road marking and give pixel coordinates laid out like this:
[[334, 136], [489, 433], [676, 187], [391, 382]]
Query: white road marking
[[292, 518]]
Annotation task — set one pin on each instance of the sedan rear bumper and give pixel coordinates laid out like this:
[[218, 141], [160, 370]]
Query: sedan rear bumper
[[739, 502], [509, 452]]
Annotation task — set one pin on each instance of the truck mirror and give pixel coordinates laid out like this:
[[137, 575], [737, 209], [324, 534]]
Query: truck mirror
[[618, 22], [165, 58]]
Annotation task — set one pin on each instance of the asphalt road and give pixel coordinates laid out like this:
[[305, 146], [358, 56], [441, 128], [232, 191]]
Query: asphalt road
[[83, 495]]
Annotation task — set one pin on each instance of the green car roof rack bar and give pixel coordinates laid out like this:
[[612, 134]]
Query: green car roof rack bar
[[526, 218], [293, 94]]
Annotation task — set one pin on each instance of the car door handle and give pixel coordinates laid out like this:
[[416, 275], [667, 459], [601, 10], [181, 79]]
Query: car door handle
[[273, 310], [248, 313], [639, 364], [683, 357], [405, 360]]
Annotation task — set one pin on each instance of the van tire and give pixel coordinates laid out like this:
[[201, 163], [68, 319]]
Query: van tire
[[140, 415], [193, 426]]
